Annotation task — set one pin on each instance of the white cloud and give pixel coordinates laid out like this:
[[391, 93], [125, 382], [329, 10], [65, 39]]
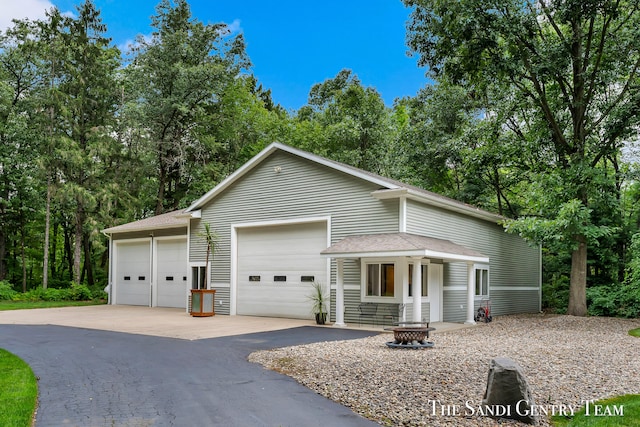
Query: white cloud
[[234, 27], [21, 9]]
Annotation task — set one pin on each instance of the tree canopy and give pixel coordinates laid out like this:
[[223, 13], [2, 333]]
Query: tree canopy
[[532, 108]]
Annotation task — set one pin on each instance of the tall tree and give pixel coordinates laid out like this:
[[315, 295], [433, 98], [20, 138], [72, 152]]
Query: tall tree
[[174, 75], [20, 81], [354, 119], [85, 102], [573, 67]]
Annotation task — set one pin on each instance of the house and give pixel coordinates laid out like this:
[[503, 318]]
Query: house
[[288, 218]]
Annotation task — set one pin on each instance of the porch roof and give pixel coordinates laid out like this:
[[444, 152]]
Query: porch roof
[[402, 244]]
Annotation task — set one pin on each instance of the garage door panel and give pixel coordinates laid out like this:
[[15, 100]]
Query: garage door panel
[[172, 273], [288, 250], [275, 301], [133, 281]]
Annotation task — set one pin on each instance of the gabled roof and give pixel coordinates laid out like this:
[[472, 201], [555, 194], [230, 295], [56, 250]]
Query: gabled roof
[[175, 219], [389, 188], [402, 244]]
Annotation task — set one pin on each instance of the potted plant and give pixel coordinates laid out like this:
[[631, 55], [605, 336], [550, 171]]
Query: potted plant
[[319, 301]]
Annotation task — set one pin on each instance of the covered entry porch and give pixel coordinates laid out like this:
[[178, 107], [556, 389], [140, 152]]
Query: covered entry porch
[[403, 269]]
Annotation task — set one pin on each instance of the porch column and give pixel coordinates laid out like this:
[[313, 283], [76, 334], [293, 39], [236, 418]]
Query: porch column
[[471, 292], [339, 294], [416, 290]]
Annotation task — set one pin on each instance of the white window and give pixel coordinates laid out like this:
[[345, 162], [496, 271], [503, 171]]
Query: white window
[[425, 280], [380, 280], [198, 277], [482, 281]]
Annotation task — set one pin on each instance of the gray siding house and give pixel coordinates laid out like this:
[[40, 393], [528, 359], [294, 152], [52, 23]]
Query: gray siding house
[[288, 218]]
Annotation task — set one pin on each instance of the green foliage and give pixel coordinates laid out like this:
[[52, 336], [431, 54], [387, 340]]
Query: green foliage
[[620, 300], [318, 297], [568, 104], [18, 391], [572, 218], [71, 293], [630, 404], [6, 290], [555, 294]]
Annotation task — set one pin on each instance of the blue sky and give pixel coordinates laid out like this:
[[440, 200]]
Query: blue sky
[[292, 44]]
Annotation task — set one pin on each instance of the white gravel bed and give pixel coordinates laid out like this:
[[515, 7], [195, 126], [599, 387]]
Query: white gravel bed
[[566, 360]]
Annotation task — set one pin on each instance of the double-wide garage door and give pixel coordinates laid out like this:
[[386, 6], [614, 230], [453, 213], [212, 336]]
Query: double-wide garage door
[[276, 266], [136, 266]]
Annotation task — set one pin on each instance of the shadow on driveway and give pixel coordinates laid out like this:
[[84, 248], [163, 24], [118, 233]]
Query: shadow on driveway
[[102, 378]]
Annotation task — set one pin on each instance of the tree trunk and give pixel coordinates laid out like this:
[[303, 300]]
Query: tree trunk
[[47, 222], [68, 256], [77, 247], [3, 254], [578, 284], [88, 261], [23, 257], [162, 179]]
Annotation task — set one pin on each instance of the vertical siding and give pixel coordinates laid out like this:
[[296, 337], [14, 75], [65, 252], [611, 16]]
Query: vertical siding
[[302, 189], [513, 263]]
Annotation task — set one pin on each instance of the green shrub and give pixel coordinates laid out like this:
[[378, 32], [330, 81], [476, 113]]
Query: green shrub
[[6, 290], [621, 300], [97, 292], [79, 293], [555, 294]]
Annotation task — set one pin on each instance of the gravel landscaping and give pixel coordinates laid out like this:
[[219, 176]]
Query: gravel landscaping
[[567, 361]]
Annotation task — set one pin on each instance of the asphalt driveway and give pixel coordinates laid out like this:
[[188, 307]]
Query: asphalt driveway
[[102, 378]]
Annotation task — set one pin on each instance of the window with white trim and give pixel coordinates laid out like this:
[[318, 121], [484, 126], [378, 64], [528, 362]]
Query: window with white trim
[[380, 279], [482, 281], [425, 280], [198, 277]]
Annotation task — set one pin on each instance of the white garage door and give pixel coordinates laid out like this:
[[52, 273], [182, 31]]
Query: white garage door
[[172, 272], [133, 268], [276, 266]]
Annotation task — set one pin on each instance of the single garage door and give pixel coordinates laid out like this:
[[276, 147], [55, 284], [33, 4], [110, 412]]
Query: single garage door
[[172, 272], [276, 266], [133, 268]]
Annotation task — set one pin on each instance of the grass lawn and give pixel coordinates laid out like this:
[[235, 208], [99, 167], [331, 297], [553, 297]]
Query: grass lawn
[[620, 411], [18, 391], [635, 332], [19, 305]]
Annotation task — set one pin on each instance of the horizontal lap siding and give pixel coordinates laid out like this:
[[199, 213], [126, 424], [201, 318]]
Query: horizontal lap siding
[[352, 314], [513, 263], [222, 294], [454, 306], [506, 301], [302, 189]]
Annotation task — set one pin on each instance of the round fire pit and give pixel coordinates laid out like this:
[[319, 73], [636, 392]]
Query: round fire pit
[[411, 336], [407, 335]]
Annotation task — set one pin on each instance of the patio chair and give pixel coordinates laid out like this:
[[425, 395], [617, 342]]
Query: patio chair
[[368, 310]]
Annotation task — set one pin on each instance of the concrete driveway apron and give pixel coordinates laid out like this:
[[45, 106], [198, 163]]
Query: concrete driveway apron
[[103, 378]]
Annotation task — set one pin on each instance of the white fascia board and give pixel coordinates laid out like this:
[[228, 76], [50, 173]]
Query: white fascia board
[[414, 253], [189, 215], [109, 232], [442, 202], [258, 158]]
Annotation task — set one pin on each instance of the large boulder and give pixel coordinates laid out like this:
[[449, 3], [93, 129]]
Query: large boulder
[[508, 395]]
